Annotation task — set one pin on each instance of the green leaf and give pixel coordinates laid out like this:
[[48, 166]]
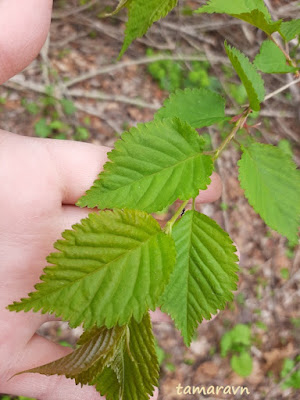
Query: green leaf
[[204, 275], [141, 15], [111, 266], [242, 364], [134, 372], [287, 367], [285, 146], [290, 29], [238, 337], [107, 384], [152, 166], [226, 344], [249, 76], [161, 355], [271, 60], [42, 129], [57, 125], [68, 106], [98, 347], [198, 107], [293, 381], [121, 362], [254, 12], [82, 133], [272, 186], [241, 334]]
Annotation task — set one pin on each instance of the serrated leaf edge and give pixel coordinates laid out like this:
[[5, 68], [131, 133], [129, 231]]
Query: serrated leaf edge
[[58, 314], [241, 179]]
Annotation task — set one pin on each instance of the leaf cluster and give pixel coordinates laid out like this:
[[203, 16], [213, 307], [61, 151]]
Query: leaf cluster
[[114, 266], [237, 341]]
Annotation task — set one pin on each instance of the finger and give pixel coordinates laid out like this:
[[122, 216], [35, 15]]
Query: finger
[[40, 351], [24, 28], [213, 192], [79, 164], [28, 323]]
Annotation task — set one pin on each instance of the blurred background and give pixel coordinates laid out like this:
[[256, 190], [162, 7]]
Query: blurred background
[[76, 90]]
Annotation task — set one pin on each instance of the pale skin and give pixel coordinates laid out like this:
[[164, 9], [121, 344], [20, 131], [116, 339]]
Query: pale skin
[[40, 182]]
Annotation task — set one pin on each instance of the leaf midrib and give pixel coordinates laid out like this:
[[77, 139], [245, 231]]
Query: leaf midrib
[[153, 174], [31, 300]]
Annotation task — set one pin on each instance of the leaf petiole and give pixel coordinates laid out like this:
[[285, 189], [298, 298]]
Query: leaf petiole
[[287, 56], [171, 222], [239, 124]]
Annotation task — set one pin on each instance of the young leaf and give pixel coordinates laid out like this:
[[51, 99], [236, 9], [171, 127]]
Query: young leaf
[[249, 76], [254, 12], [110, 267], [135, 368], [151, 166], [68, 106], [198, 107], [121, 362], [98, 347], [141, 15], [272, 186], [204, 275], [242, 364], [290, 29], [271, 60], [107, 384]]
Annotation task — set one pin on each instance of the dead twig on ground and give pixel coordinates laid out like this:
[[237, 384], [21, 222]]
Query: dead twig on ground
[[142, 61], [97, 95], [73, 11]]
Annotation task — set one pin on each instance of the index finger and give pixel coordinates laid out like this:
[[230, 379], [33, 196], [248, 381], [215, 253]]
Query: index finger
[[79, 164]]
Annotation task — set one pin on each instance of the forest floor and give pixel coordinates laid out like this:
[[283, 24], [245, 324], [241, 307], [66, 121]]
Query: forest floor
[[103, 97]]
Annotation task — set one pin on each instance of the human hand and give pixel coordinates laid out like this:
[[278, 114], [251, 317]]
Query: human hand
[[40, 183], [41, 180]]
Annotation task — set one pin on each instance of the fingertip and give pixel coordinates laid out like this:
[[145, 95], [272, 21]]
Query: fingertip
[[40, 351], [23, 33], [78, 165], [155, 394], [213, 191], [159, 316]]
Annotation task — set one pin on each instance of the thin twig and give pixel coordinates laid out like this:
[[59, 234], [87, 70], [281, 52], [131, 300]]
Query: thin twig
[[220, 170], [96, 113], [186, 30], [73, 11], [99, 26], [281, 89], [277, 386], [18, 84], [62, 43], [272, 113], [46, 63], [239, 124], [212, 26], [144, 60], [287, 56], [113, 98], [292, 6]]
